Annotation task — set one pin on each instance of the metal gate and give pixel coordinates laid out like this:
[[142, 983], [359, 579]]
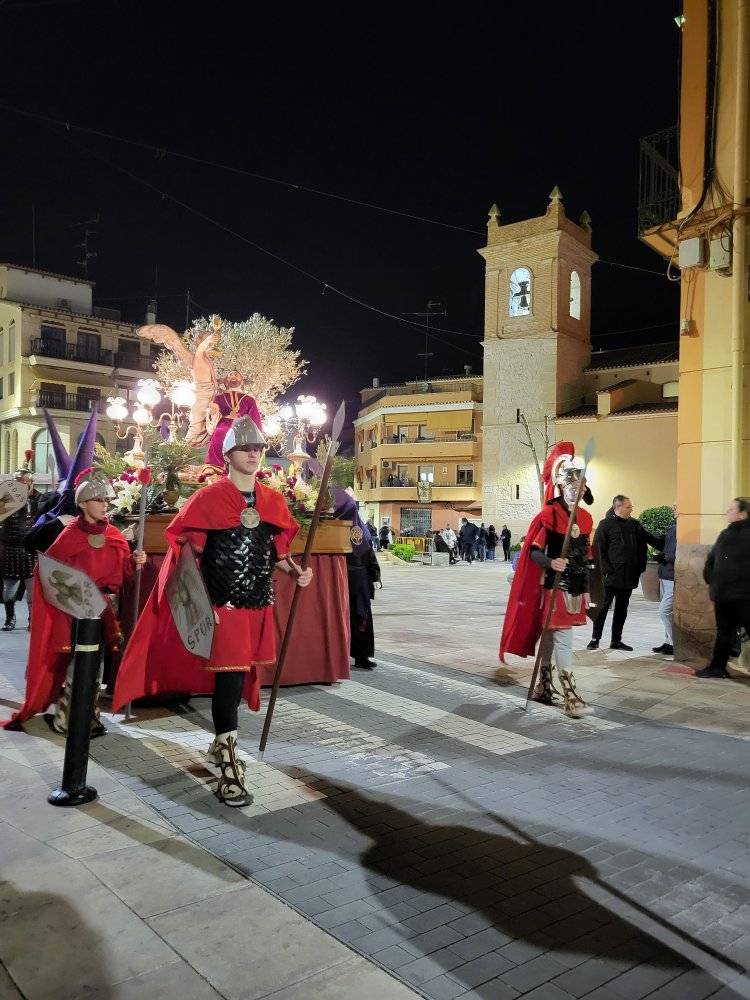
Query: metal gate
[[417, 519]]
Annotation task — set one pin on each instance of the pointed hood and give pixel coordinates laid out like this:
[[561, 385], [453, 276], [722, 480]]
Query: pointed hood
[[347, 509], [83, 458], [62, 458]]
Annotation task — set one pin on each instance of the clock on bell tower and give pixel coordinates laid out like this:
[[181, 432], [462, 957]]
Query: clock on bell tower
[[537, 341]]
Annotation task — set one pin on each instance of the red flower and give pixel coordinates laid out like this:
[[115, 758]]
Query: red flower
[[144, 476], [127, 477]]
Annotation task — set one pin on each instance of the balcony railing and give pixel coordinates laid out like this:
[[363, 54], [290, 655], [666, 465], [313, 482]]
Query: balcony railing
[[77, 353], [141, 362], [66, 401], [437, 439], [659, 181]]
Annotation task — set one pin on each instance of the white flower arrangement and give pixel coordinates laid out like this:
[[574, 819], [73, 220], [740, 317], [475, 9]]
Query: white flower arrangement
[[127, 496]]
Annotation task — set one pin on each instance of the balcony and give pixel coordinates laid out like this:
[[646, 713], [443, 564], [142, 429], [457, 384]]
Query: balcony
[[69, 401], [136, 362], [75, 353], [659, 180], [442, 446]]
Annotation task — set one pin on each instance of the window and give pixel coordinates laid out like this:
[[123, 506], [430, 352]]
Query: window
[[14, 449], [12, 384], [127, 346], [89, 346], [2, 348], [52, 395], [518, 492], [6, 467], [11, 343], [426, 473], [53, 341], [88, 399], [44, 457], [402, 475], [575, 295], [424, 434], [418, 520], [670, 390], [519, 296], [465, 475], [402, 432]]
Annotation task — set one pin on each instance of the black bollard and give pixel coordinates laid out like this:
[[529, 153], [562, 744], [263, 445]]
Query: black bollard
[[87, 654]]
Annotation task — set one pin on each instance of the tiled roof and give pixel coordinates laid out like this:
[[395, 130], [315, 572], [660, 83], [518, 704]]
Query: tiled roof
[[667, 406], [588, 410], [618, 385], [634, 357]]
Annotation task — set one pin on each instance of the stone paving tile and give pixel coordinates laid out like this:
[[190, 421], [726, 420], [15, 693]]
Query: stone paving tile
[[439, 854]]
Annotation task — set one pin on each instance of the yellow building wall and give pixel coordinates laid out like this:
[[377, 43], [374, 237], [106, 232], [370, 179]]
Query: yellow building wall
[[636, 456]]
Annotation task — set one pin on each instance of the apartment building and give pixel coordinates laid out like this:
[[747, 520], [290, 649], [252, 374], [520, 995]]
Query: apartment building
[[60, 352], [418, 450]]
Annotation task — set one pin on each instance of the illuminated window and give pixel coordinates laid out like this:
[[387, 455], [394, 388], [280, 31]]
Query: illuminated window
[[519, 297], [575, 295]]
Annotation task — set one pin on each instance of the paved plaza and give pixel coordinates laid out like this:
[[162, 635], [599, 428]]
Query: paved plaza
[[414, 832]]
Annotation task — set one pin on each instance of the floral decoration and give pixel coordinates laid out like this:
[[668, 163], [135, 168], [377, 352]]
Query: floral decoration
[[300, 496]]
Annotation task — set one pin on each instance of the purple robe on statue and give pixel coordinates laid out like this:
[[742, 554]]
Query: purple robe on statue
[[232, 404]]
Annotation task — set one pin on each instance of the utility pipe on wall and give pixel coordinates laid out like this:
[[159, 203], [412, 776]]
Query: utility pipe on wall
[[739, 245]]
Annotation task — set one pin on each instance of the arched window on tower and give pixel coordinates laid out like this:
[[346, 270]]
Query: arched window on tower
[[575, 295], [519, 297]]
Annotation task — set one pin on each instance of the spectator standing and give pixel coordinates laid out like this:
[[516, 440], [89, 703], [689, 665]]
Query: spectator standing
[[16, 562], [505, 537], [482, 542], [727, 573], [622, 543], [373, 534], [384, 536], [666, 585], [492, 540], [517, 555], [450, 539], [468, 535]]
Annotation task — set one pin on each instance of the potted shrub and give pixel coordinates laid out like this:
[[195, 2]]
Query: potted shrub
[[656, 520]]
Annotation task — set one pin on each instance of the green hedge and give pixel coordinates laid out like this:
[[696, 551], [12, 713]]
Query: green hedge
[[656, 520], [403, 551]]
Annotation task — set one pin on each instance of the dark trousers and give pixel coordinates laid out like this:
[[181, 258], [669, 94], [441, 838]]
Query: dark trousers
[[226, 700], [621, 597], [362, 641], [730, 615], [506, 550]]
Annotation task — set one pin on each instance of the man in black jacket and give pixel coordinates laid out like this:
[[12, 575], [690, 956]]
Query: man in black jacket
[[622, 544], [468, 534], [727, 573]]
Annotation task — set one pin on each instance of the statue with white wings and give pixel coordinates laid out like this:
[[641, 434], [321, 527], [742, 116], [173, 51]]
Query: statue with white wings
[[237, 369]]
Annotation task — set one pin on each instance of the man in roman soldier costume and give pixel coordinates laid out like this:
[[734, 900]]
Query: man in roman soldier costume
[[532, 588], [91, 544], [241, 530]]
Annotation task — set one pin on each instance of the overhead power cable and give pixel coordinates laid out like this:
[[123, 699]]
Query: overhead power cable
[[162, 152], [327, 286]]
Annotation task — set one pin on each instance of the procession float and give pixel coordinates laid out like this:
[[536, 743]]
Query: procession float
[[204, 379]]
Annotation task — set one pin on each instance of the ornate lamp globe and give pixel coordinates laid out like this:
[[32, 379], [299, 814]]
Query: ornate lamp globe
[[148, 392]]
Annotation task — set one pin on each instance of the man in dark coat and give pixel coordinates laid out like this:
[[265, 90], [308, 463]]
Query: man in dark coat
[[363, 572], [468, 534], [727, 573], [505, 537], [666, 586], [622, 544], [16, 564]]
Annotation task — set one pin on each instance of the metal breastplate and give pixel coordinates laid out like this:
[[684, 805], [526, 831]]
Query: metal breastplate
[[575, 579], [237, 566]]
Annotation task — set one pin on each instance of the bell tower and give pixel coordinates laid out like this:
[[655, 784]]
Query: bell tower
[[537, 341]]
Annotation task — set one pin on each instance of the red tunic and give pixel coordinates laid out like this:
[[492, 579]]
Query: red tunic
[[155, 661], [50, 643], [527, 603]]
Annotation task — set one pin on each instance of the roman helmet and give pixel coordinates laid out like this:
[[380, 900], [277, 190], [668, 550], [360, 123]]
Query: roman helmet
[[243, 433]]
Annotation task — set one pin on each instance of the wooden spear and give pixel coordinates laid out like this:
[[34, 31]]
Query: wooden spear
[[333, 447], [588, 455]]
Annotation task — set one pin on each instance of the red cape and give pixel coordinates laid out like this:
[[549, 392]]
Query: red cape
[[155, 660], [524, 615], [50, 643]]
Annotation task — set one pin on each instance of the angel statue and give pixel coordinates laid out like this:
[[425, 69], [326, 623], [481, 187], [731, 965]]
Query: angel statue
[[219, 398]]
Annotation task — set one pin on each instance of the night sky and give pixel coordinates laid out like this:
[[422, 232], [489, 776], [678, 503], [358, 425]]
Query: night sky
[[426, 110]]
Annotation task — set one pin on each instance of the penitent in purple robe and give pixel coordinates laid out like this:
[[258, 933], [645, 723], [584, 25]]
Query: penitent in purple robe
[[232, 404]]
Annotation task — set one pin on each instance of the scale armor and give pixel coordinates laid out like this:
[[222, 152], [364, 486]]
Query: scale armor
[[237, 566]]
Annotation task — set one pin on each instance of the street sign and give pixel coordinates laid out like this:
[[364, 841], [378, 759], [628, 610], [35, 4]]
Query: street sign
[[69, 590], [191, 606]]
